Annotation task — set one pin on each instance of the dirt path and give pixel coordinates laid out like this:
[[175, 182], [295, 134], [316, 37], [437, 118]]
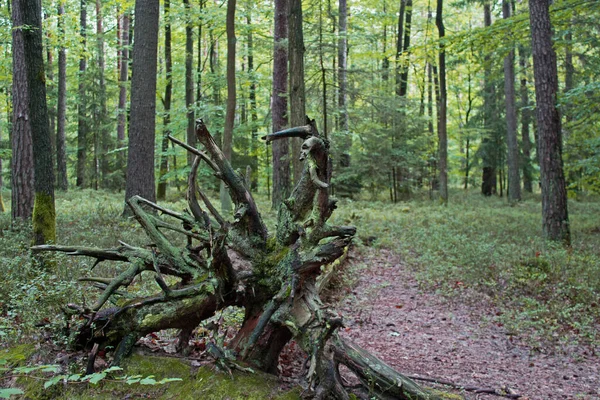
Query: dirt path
[[420, 333]]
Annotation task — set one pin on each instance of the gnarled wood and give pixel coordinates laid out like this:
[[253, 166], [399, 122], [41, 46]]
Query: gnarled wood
[[278, 290]]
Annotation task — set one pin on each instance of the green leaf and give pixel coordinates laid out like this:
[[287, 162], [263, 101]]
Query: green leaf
[[113, 369], [97, 377], [133, 379], [74, 378], [54, 380], [5, 393], [167, 380], [149, 380]]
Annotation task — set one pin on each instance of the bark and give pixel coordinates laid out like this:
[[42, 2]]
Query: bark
[[555, 217], [140, 157], [277, 283], [296, 71], [189, 77], [399, 43], [123, 78], [61, 115], [442, 109], [279, 102], [514, 181], [323, 72], [44, 215], [82, 127], [199, 67], [525, 122], [488, 148], [101, 133], [22, 147], [252, 98], [231, 100], [161, 192], [342, 71], [405, 49]]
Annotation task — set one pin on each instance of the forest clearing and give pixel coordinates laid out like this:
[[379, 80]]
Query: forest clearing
[[300, 199]]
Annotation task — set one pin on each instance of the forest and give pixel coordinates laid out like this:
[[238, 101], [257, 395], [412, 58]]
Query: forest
[[300, 199]]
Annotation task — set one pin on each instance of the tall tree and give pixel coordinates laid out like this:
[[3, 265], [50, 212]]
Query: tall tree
[[442, 109], [231, 100], [279, 102], [61, 112], [405, 46], [555, 216], [82, 126], [514, 181], [342, 71], [161, 192], [101, 135], [488, 148], [22, 148], [44, 215], [252, 96], [140, 155], [189, 78], [399, 44], [296, 68], [123, 78], [525, 122]]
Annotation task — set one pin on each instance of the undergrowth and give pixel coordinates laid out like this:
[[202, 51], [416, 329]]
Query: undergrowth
[[544, 291]]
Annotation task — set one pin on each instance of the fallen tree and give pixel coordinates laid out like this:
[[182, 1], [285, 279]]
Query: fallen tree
[[274, 277]]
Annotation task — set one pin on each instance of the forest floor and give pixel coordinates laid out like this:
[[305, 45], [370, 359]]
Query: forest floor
[[420, 332]]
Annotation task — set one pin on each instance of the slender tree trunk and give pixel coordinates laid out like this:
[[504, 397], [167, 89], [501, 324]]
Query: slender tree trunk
[[44, 215], [61, 145], [50, 84], [399, 43], [442, 118], [525, 122], [231, 100], [252, 99], [103, 140], [342, 71], [555, 217], [405, 48], [161, 192], [189, 78], [323, 72], [430, 98], [123, 78], [296, 68], [514, 181], [140, 155], [199, 67], [82, 102], [489, 159], [22, 147], [279, 102]]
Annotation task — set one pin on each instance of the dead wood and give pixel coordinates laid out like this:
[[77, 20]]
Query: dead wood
[[279, 287]]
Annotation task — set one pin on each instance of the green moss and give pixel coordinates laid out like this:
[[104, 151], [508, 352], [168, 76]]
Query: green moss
[[44, 219], [446, 395]]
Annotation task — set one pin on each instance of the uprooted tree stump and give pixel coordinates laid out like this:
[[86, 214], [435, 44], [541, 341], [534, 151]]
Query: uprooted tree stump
[[276, 284]]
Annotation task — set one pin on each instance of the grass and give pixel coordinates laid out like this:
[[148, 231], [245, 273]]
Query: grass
[[474, 245]]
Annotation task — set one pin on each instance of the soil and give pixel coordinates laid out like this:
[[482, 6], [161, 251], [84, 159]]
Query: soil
[[420, 332]]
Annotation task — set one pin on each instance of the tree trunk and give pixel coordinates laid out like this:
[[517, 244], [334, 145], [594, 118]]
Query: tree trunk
[[296, 68], [442, 118], [199, 67], [514, 181], [342, 71], [231, 100], [555, 217], [189, 77], [44, 215], [123, 78], [22, 147], [103, 140], [279, 102], [161, 192], [82, 127], [488, 148], [61, 115], [405, 47], [140, 155], [525, 122], [252, 97], [399, 44]]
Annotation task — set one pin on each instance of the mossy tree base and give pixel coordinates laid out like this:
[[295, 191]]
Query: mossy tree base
[[277, 282]]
